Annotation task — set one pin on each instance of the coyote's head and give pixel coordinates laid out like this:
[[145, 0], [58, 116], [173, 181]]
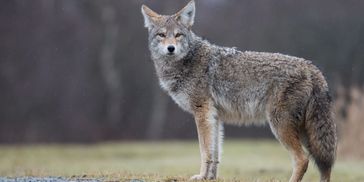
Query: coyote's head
[[169, 35]]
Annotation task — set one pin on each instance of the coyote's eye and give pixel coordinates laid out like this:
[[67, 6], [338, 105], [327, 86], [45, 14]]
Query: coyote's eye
[[178, 35], [161, 35]]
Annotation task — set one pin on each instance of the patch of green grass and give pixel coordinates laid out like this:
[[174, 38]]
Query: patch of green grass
[[243, 160]]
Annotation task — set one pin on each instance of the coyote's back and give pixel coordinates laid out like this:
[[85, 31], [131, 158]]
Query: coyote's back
[[223, 85]]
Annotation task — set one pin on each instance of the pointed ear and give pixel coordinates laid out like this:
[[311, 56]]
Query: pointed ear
[[150, 17], [187, 15]]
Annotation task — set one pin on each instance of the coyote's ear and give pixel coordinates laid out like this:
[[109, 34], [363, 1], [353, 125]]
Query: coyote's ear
[[187, 15], [150, 17]]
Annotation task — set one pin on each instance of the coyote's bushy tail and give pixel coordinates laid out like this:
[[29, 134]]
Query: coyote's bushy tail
[[321, 130]]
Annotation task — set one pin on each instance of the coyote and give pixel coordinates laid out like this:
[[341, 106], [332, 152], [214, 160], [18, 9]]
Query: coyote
[[223, 85]]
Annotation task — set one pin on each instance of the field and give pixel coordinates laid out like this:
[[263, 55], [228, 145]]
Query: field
[[243, 160]]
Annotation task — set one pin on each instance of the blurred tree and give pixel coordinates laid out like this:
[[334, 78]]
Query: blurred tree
[[109, 69]]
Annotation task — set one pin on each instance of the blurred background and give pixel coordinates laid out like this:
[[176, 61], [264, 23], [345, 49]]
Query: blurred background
[[80, 71]]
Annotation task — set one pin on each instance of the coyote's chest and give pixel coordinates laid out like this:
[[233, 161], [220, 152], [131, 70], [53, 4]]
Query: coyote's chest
[[178, 94]]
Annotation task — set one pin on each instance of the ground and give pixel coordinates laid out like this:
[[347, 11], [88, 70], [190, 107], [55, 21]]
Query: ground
[[243, 160]]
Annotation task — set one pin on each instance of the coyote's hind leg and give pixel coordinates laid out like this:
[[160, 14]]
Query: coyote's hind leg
[[288, 135]]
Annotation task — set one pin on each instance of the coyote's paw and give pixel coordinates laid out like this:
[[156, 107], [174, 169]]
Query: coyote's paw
[[197, 177]]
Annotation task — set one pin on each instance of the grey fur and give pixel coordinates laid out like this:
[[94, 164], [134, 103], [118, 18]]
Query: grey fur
[[248, 88]]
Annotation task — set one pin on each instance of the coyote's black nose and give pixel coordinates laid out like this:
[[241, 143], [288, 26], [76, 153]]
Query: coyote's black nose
[[170, 48]]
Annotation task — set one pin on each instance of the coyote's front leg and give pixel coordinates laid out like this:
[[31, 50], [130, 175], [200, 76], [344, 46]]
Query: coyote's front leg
[[210, 138]]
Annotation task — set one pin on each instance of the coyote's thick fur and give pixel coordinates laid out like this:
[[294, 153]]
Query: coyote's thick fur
[[223, 85]]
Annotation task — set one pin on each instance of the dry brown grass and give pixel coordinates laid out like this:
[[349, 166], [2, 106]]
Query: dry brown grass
[[349, 107]]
